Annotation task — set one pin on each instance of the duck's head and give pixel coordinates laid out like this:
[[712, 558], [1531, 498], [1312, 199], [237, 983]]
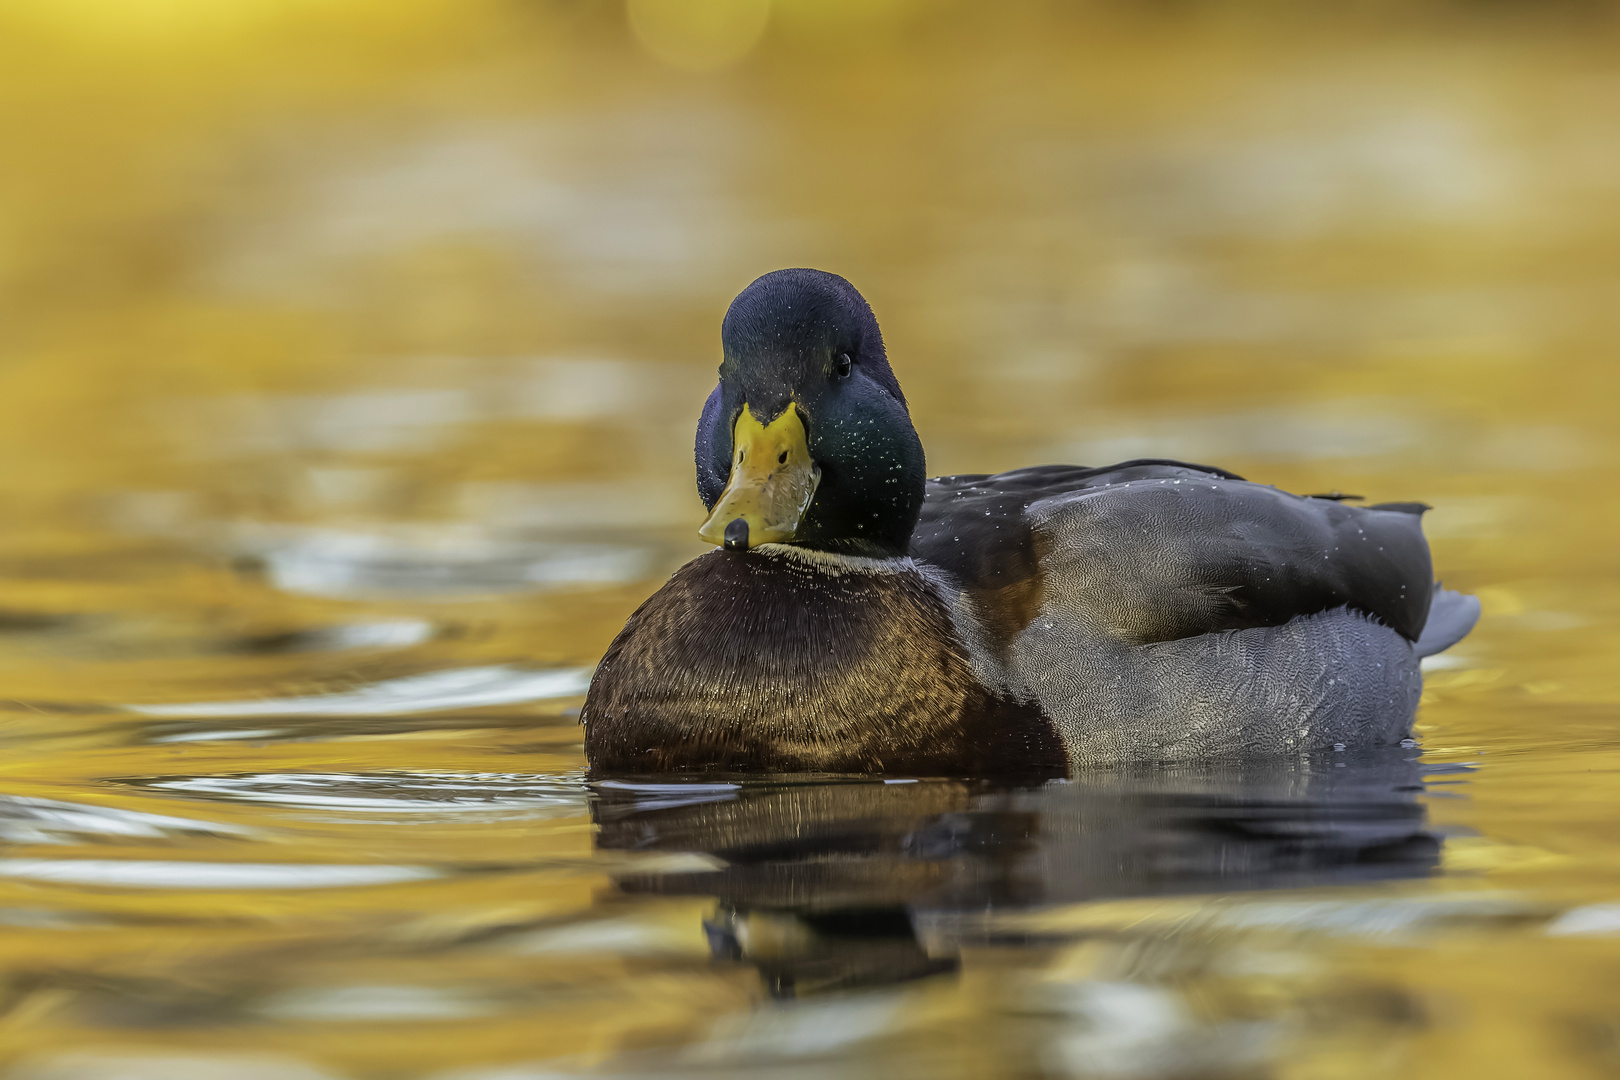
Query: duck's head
[[807, 439]]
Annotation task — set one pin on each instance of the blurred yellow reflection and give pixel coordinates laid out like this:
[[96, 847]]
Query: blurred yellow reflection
[[136, 28], [350, 354], [699, 35]]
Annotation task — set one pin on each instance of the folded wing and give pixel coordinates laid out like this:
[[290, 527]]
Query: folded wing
[[1160, 550]]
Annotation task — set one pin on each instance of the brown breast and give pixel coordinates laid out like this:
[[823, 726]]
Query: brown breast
[[757, 661]]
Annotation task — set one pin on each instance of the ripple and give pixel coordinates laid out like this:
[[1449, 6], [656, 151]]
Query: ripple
[[138, 1063], [1590, 920], [435, 691], [151, 874], [220, 735], [348, 1004], [383, 634], [373, 793], [632, 797], [430, 562], [27, 820]]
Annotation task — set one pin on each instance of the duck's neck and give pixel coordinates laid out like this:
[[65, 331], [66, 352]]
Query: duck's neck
[[838, 561], [788, 659]]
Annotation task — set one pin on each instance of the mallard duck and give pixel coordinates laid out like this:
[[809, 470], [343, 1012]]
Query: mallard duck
[[857, 617]]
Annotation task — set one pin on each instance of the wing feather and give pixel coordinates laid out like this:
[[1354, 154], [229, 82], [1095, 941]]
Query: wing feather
[[1160, 550]]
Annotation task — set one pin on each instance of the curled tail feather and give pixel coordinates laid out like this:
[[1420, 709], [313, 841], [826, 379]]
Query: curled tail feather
[[1451, 616]]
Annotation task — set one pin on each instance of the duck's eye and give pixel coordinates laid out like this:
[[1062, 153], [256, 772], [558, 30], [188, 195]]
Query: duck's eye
[[844, 365]]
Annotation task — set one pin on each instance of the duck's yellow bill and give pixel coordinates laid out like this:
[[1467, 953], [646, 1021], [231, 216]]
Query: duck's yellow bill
[[772, 483]]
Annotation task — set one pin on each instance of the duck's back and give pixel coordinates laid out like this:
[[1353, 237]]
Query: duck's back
[[1157, 609]]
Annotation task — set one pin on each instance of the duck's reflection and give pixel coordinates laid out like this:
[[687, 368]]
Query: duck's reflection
[[825, 881]]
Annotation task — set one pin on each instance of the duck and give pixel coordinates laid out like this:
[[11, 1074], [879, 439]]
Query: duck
[[856, 617]]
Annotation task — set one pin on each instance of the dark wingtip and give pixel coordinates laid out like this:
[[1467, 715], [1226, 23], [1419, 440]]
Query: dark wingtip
[[737, 535]]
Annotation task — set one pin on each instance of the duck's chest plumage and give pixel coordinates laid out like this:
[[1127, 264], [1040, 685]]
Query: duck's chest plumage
[[788, 661]]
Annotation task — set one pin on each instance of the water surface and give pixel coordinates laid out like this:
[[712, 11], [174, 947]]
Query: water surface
[[351, 359]]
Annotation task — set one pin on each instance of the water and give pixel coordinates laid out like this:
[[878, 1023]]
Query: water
[[351, 358]]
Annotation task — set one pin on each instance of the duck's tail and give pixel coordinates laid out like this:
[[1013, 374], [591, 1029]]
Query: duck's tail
[[1451, 616]]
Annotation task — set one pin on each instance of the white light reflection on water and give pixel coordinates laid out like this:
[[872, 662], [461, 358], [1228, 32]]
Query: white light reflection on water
[[616, 937], [1365, 158], [140, 1063], [1591, 920], [388, 634], [430, 562], [556, 190], [444, 793], [1123, 1029], [621, 504], [396, 1004], [651, 796], [26, 820], [153, 874], [798, 1030], [220, 736], [384, 420], [434, 691], [1350, 429], [362, 421]]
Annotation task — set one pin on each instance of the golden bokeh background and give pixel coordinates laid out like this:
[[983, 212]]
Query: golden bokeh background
[[351, 342]]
